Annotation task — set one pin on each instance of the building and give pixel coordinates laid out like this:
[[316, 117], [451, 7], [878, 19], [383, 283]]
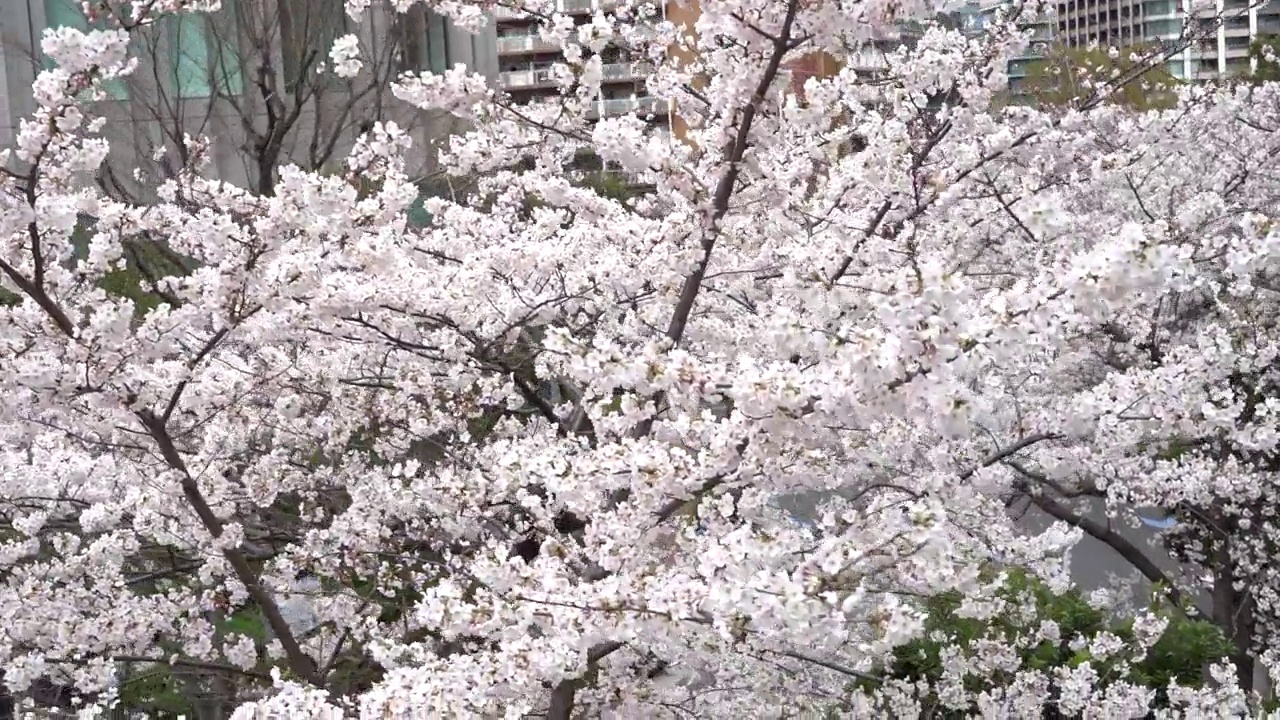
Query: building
[[524, 60], [1217, 49], [249, 77], [973, 17]]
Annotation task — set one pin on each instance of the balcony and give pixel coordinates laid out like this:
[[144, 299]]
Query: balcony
[[625, 70], [568, 7], [869, 59], [523, 79], [541, 77], [516, 44], [623, 106]]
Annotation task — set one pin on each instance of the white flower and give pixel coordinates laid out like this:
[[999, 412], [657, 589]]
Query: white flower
[[345, 56]]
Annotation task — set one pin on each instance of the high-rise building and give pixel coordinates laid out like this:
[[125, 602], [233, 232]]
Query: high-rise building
[[973, 17], [1217, 48], [1220, 34]]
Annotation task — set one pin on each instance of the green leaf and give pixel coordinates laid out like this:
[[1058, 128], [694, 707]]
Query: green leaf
[[155, 691], [247, 622]]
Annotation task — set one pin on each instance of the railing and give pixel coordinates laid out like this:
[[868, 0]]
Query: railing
[[570, 7], [626, 71], [525, 43], [869, 59], [526, 78], [542, 76], [620, 106]]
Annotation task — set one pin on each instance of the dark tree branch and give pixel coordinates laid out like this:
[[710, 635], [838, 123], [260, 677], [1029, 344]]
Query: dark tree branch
[[563, 695], [1009, 451], [829, 665], [299, 662], [1122, 545]]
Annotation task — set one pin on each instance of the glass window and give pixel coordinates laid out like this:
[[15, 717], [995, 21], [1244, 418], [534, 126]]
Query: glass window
[[1162, 28], [201, 53], [67, 13], [437, 43], [410, 35]]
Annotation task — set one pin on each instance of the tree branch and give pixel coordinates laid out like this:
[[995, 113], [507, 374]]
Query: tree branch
[[835, 667], [299, 662], [1122, 545], [724, 190], [1008, 452], [563, 695]]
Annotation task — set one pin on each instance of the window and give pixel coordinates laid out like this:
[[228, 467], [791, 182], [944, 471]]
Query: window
[[410, 33], [67, 13], [437, 43], [424, 41], [511, 30], [202, 53], [1163, 28], [307, 31]]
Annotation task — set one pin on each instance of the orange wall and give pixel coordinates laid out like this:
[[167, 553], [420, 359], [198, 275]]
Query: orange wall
[[815, 64], [683, 15]]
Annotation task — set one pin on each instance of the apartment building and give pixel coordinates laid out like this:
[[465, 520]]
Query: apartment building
[[524, 60], [1218, 48], [250, 77]]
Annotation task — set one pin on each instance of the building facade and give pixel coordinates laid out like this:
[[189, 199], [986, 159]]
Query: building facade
[[973, 17], [251, 77], [524, 61], [1218, 48], [1220, 34]]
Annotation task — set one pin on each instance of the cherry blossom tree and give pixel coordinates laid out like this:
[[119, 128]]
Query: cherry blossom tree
[[534, 458]]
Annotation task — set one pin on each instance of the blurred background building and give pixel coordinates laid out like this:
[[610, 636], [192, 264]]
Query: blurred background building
[[251, 77], [524, 61]]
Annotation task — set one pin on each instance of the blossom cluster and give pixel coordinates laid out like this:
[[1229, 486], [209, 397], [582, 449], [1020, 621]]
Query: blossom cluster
[[545, 454]]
